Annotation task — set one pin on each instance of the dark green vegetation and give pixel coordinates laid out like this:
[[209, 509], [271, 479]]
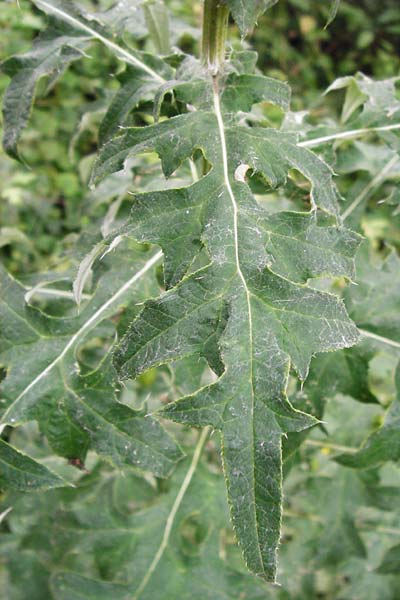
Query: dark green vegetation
[[196, 267]]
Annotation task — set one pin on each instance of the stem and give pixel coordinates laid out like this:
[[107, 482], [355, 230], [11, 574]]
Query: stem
[[379, 338], [378, 179], [347, 135], [215, 28], [337, 447], [119, 51], [175, 507]]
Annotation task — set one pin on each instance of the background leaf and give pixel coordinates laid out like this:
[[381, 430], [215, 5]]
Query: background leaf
[[20, 472]]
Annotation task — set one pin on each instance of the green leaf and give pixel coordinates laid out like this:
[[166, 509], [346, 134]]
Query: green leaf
[[52, 52], [69, 33], [251, 299], [381, 446], [130, 535], [267, 151], [22, 473], [247, 13], [116, 17], [45, 380], [137, 85], [153, 212], [244, 90], [391, 562], [378, 98], [157, 22], [299, 248], [333, 11], [123, 17]]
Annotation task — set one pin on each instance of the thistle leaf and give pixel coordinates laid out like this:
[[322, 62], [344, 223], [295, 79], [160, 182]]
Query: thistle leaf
[[381, 446], [247, 13], [20, 472], [76, 411], [251, 298], [52, 52], [65, 40]]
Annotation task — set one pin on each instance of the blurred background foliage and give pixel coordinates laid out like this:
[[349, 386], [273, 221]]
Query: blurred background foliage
[[292, 40]]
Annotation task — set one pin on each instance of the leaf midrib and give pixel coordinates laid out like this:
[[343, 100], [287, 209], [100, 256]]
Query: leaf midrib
[[130, 58], [91, 322], [227, 183]]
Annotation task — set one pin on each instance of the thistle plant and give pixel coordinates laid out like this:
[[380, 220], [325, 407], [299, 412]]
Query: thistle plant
[[247, 304]]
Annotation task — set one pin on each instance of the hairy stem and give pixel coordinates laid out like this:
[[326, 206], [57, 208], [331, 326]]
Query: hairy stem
[[215, 28]]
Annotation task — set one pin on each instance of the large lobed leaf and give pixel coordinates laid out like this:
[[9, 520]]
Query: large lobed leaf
[[250, 311]]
